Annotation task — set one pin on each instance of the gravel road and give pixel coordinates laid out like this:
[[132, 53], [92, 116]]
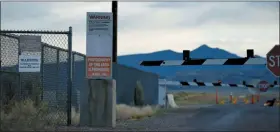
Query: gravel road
[[239, 117]]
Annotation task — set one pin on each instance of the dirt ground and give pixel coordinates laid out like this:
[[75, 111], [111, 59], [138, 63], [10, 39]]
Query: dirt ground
[[185, 98], [240, 117]]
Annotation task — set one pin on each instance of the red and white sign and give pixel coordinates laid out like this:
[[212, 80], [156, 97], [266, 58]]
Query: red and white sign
[[98, 67], [273, 60], [263, 86], [99, 45]]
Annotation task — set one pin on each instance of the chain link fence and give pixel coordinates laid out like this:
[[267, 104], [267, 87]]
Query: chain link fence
[[60, 79], [53, 84]]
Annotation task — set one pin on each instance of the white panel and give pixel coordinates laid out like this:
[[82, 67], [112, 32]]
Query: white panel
[[215, 61], [256, 61], [172, 63]]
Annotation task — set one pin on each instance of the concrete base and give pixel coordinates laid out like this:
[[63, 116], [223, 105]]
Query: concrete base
[[98, 103]]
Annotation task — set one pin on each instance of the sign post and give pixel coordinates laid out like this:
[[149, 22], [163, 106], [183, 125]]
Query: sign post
[[98, 99], [273, 61], [217, 98]]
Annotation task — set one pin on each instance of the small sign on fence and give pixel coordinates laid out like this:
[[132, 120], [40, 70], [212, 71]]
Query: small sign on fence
[[30, 43], [99, 67], [29, 63]]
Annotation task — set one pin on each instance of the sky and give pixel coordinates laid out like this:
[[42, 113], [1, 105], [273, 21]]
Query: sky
[[146, 27]]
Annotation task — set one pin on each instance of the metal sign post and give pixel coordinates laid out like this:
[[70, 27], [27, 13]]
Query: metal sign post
[[99, 97]]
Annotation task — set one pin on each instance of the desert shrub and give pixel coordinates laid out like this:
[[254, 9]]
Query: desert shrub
[[125, 112], [23, 115], [34, 91], [26, 116], [139, 94], [177, 97], [8, 91], [181, 96]]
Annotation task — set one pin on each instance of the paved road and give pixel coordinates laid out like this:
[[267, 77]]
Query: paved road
[[239, 117], [212, 118]]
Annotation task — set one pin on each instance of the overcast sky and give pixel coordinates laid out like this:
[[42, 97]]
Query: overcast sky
[[147, 27]]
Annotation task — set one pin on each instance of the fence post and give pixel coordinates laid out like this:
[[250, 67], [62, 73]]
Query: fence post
[[1, 91], [186, 55], [20, 85], [42, 72], [250, 53], [69, 88], [115, 30], [75, 92], [57, 75]]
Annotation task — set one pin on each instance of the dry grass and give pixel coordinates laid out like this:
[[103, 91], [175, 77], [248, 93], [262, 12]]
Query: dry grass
[[125, 112], [24, 116], [184, 98]]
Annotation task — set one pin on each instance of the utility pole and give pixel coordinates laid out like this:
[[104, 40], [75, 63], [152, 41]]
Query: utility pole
[[115, 30]]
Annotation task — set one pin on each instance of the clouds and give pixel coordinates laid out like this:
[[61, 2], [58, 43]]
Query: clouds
[[239, 14], [11, 12], [150, 26]]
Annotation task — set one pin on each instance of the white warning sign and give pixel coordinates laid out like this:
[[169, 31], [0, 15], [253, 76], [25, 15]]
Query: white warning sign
[[29, 63]]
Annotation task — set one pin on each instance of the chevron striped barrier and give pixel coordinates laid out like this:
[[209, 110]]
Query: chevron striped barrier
[[186, 61], [249, 60], [199, 84], [230, 61], [232, 100]]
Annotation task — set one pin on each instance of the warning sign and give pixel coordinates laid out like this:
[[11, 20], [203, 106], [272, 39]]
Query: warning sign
[[99, 67], [28, 63], [99, 45], [99, 23]]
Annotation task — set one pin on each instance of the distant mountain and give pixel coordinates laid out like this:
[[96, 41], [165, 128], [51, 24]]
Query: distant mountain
[[204, 51], [203, 73]]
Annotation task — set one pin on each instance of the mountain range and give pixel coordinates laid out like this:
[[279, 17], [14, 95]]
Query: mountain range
[[229, 74]]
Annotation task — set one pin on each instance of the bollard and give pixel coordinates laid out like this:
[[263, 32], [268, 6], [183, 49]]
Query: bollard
[[252, 99], [235, 100], [217, 100], [230, 97], [258, 98]]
